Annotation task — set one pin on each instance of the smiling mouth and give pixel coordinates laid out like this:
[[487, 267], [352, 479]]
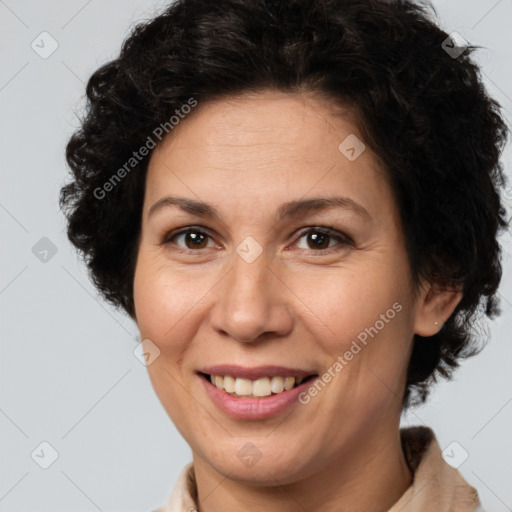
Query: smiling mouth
[[258, 388]]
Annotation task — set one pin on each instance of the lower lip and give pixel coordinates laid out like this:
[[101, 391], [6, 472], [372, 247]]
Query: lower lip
[[254, 408]]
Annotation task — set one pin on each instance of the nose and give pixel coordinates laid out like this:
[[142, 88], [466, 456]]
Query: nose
[[252, 302]]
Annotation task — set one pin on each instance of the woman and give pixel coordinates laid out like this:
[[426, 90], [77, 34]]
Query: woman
[[298, 203]]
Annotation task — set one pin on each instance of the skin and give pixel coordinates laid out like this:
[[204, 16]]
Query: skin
[[296, 304]]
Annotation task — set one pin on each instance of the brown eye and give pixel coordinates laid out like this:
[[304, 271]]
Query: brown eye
[[319, 239], [192, 239]]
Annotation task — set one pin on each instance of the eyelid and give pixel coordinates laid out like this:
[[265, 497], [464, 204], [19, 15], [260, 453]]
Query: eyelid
[[326, 230]]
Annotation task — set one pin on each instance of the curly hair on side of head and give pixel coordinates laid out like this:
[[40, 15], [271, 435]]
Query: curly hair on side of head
[[425, 113]]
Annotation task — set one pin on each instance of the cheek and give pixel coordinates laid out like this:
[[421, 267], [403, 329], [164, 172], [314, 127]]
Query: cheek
[[345, 302], [162, 299], [363, 317]]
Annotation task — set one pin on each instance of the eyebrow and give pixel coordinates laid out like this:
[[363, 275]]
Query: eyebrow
[[291, 209]]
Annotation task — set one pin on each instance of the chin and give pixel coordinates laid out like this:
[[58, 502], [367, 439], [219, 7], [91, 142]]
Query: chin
[[250, 466]]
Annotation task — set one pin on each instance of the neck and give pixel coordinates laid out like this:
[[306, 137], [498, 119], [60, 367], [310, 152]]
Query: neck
[[372, 477]]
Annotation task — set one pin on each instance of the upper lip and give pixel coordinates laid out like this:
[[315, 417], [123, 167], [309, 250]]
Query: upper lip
[[256, 372]]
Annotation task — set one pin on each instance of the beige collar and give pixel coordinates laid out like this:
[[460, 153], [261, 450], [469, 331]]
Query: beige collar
[[437, 487]]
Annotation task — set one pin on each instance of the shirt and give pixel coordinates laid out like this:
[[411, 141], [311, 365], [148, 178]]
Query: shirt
[[436, 486]]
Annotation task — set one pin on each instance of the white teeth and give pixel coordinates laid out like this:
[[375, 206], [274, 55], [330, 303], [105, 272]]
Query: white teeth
[[264, 386], [261, 387], [289, 383], [277, 384], [243, 387], [229, 384]]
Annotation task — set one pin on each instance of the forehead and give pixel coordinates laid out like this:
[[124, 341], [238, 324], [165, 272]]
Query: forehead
[[263, 147], [281, 121]]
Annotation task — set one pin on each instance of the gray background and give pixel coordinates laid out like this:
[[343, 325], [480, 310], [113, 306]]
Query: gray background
[[67, 369]]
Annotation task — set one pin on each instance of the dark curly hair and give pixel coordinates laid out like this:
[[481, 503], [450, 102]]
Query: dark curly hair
[[421, 108]]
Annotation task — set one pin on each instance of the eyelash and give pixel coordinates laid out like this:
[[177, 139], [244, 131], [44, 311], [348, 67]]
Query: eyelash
[[328, 231]]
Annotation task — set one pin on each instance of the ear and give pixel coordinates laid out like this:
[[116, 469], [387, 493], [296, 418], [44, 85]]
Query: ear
[[434, 304]]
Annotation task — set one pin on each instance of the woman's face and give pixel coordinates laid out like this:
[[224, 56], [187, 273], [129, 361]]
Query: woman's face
[[260, 284]]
